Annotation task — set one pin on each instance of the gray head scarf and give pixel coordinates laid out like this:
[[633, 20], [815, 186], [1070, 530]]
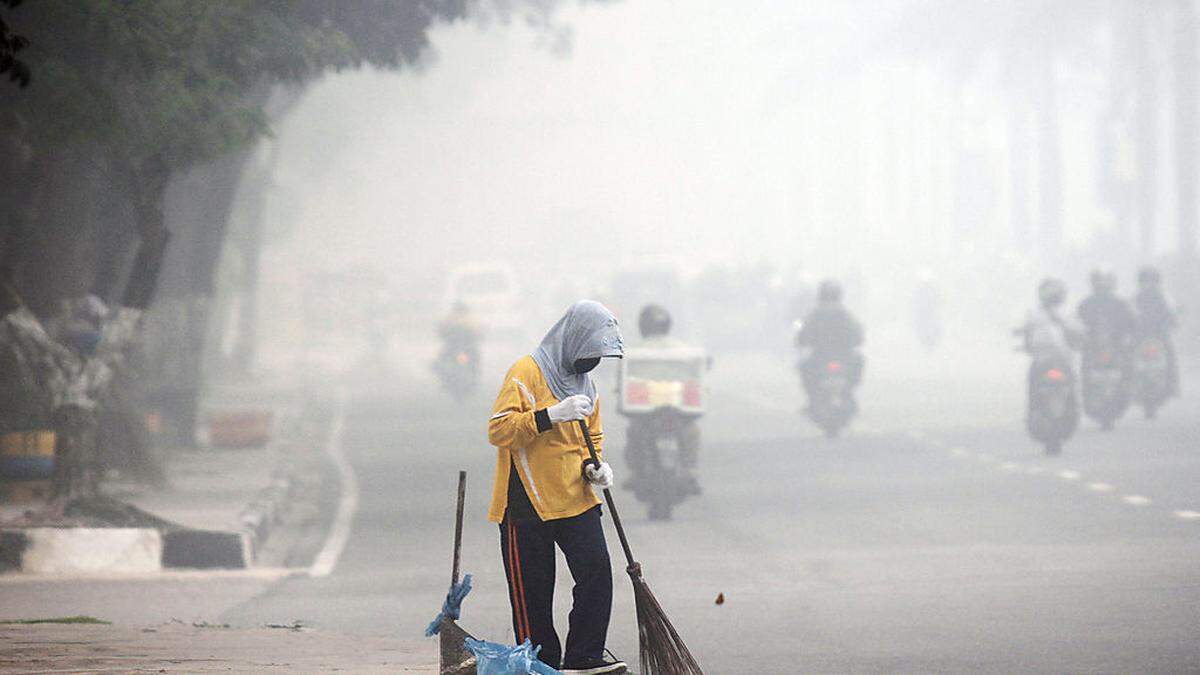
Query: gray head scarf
[[587, 331]]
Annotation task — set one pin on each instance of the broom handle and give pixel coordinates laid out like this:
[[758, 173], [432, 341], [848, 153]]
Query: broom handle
[[612, 506], [458, 524]]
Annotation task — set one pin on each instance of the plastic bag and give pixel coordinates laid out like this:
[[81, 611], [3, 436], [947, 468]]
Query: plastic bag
[[496, 659], [451, 607]]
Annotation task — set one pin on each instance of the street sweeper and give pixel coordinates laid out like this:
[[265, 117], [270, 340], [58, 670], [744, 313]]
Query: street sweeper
[[543, 493]]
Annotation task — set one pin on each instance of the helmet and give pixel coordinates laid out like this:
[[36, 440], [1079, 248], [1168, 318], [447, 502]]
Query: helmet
[[1149, 276], [654, 320], [1052, 292], [829, 291], [1103, 282]]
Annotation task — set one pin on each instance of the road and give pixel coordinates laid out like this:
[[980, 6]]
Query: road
[[934, 537]]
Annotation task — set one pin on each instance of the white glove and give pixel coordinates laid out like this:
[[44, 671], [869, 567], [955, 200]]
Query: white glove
[[601, 477], [569, 409]]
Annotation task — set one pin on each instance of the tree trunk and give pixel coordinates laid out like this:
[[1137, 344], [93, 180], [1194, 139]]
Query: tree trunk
[[1145, 111], [1185, 58], [245, 346], [1050, 197], [198, 206], [1018, 176]]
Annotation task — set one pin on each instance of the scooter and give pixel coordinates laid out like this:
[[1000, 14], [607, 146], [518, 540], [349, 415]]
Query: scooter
[[1053, 413], [1052, 409], [458, 370], [661, 392], [1151, 377], [1105, 383], [831, 403]]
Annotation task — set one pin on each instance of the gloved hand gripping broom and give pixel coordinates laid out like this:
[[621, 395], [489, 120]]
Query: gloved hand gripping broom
[[660, 649]]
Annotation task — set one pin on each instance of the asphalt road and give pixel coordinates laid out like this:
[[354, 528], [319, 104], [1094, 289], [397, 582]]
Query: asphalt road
[[934, 537]]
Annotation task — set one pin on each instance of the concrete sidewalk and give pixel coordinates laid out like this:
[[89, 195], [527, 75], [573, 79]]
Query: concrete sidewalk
[[222, 505], [179, 647]]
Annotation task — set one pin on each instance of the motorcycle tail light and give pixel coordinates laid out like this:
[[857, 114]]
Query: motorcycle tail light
[[1151, 351], [462, 358], [833, 366], [691, 394], [1105, 358], [637, 393], [1055, 375]]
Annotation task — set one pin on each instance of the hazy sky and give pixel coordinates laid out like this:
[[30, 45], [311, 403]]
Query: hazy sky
[[685, 133], [665, 128]]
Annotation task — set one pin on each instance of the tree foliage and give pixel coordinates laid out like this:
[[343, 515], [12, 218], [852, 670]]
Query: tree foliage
[[10, 44], [164, 84]]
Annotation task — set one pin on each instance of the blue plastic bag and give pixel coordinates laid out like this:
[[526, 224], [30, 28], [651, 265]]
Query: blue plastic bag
[[497, 659], [451, 606]]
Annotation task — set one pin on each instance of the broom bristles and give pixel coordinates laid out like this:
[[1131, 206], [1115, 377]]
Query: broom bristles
[[661, 650]]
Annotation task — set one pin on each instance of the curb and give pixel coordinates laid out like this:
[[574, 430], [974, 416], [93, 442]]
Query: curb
[[112, 550], [266, 509], [81, 550], [87, 550]]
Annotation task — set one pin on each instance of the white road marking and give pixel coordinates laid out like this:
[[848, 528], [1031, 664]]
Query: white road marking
[[339, 534], [1067, 474]]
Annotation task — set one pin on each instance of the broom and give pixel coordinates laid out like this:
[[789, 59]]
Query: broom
[[660, 649], [453, 656]]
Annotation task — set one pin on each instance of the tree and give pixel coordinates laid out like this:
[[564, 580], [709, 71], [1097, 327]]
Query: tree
[[134, 99], [10, 44]]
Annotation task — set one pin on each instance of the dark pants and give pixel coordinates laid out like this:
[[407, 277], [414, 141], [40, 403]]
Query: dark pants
[[528, 551]]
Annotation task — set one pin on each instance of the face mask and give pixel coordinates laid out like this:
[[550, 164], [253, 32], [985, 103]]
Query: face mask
[[586, 365]]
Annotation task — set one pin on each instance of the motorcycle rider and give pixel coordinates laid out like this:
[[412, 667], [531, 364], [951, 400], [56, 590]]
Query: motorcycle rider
[[831, 333], [459, 333], [1107, 318], [1050, 340], [1047, 335], [1156, 319], [654, 325], [927, 309]]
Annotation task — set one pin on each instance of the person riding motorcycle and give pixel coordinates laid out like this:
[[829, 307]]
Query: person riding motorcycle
[[1047, 335], [830, 332], [459, 331], [927, 309], [1050, 340], [1106, 317], [458, 360], [1109, 327], [654, 325], [1156, 319]]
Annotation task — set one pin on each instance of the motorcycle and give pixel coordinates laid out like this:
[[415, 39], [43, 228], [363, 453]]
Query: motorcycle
[[1105, 383], [831, 403], [1053, 411], [661, 392], [458, 370], [1151, 376]]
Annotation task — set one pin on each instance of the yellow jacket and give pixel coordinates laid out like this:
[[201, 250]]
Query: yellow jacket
[[550, 462]]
